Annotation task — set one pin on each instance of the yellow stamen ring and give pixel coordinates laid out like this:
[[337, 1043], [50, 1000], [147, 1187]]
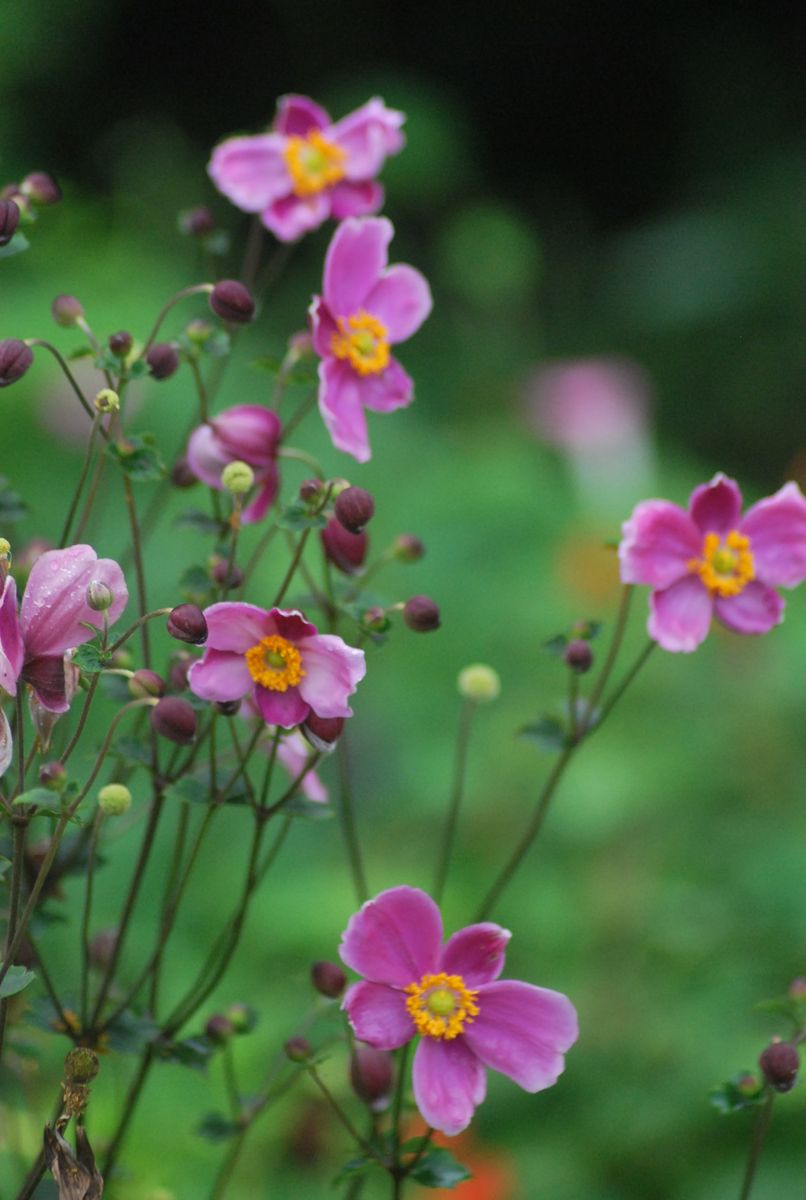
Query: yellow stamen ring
[[313, 163], [441, 1005], [275, 663], [726, 567], [362, 339]]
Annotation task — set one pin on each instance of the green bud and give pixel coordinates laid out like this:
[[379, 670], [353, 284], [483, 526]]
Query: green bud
[[107, 401], [238, 477], [115, 799], [479, 683]]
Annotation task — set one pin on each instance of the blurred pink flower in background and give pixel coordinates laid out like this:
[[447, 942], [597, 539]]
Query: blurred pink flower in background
[[245, 433]]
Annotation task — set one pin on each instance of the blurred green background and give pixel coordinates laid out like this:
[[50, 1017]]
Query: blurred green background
[[581, 182]]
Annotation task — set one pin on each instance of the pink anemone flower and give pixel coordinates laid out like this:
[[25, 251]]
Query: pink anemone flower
[[278, 659], [451, 996], [245, 433], [365, 308], [293, 753], [53, 619], [712, 561], [308, 168]]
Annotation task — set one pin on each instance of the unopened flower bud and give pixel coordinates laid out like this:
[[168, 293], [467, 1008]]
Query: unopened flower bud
[[231, 301], [780, 1062], [66, 310], [322, 732], [163, 360], [748, 1085], [174, 719], [241, 1017], [219, 1029], [107, 401], [199, 331], [178, 672], [578, 656], [238, 477], [9, 220], [328, 979], [100, 596], [298, 1049], [181, 474], [797, 989], [228, 708], [227, 575], [345, 550], [146, 683], [114, 799], [187, 623], [354, 508], [41, 188], [81, 1065], [197, 222], [371, 1075], [53, 776], [479, 683], [102, 947], [310, 490], [15, 359], [408, 548], [375, 620], [121, 343], [421, 614]]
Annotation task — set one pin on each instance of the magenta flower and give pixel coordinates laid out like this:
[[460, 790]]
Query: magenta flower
[[449, 995], [365, 308], [278, 659], [308, 168], [53, 619], [246, 433], [712, 561]]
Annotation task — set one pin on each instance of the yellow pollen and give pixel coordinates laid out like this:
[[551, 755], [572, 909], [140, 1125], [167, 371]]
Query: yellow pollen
[[441, 1005], [313, 163], [726, 567], [362, 340], [275, 663]]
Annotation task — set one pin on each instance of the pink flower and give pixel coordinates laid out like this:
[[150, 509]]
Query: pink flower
[[293, 753], [712, 560], [52, 620], [278, 659], [365, 308], [308, 169], [449, 994], [246, 433]]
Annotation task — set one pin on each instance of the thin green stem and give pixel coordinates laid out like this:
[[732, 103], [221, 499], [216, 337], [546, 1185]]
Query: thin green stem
[[13, 926], [397, 1105], [619, 630], [457, 792], [292, 568], [139, 569], [82, 479], [358, 1138], [348, 825], [757, 1144], [87, 912], [194, 290]]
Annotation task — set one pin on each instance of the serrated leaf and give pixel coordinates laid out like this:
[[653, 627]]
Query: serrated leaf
[[108, 362], [90, 658], [36, 796], [18, 243], [194, 518], [556, 645], [296, 518], [138, 457], [215, 1127], [547, 732], [137, 369], [352, 1169], [439, 1169], [190, 789], [190, 1052], [130, 1033], [737, 1093], [16, 979]]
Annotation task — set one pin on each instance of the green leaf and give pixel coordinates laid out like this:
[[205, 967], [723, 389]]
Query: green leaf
[[202, 522], [5, 863], [267, 362], [194, 582], [556, 645], [439, 1169], [18, 243], [12, 507], [37, 796], [218, 345], [131, 751], [16, 979], [190, 789], [138, 457], [296, 518], [191, 1052], [743, 1090], [215, 1127], [79, 352], [352, 1169], [309, 810], [130, 1033], [548, 733], [90, 658]]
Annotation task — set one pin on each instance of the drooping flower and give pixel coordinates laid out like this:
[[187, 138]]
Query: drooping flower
[[293, 753], [307, 168], [712, 561], [278, 659], [53, 619], [365, 308], [245, 433], [451, 996]]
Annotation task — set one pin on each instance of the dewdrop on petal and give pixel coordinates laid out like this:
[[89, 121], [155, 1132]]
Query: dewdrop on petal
[[479, 683], [107, 401], [114, 799], [238, 477]]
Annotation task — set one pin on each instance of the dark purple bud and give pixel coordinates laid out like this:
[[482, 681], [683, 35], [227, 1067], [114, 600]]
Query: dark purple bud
[[228, 708], [408, 548], [9, 220], [178, 672], [310, 490], [371, 1076], [345, 550], [578, 656], [187, 623], [226, 576], [163, 360], [421, 614], [779, 1063], [322, 732], [102, 947], [15, 359], [232, 302], [146, 683], [174, 719], [354, 508], [328, 979], [197, 222], [66, 310], [120, 343], [298, 1049], [53, 776], [181, 474], [41, 188], [219, 1029]]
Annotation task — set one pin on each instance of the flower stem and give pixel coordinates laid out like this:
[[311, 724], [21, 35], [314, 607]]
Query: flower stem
[[85, 466], [342, 1116], [348, 824], [457, 792], [85, 918], [610, 661], [757, 1144]]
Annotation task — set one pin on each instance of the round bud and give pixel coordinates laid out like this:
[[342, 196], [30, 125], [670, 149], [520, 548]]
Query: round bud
[[178, 672], [107, 401], [81, 1065], [408, 548], [9, 220], [328, 979], [224, 575], [187, 623], [322, 732], [174, 719], [298, 1049], [241, 1017], [146, 683], [354, 508], [578, 656], [371, 1075], [15, 359], [114, 799], [219, 1029], [345, 550], [748, 1085], [375, 620], [479, 683], [41, 188], [197, 222], [121, 343], [421, 614], [231, 301], [5, 548], [199, 331], [228, 708], [181, 474], [163, 360], [53, 776], [310, 490], [779, 1063], [100, 596], [66, 310], [238, 477]]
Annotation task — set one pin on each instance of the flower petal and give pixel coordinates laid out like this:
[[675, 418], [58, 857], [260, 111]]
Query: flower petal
[[286, 709], [378, 1015], [54, 611], [341, 408], [401, 300], [6, 744], [290, 623], [680, 616], [394, 938], [11, 647], [333, 671], [715, 507], [355, 199], [776, 527], [249, 432], [355, 258], [268, 482], [298, 116], [251, 171], [449, 1083], [206, 456], [234, 625], [292, 216], [220, 675], [368, 135], [658, 542], [757, 609], [323, 327], [523, 1032], [293, 753], [392, 389], [47, 677], [476, 953]]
